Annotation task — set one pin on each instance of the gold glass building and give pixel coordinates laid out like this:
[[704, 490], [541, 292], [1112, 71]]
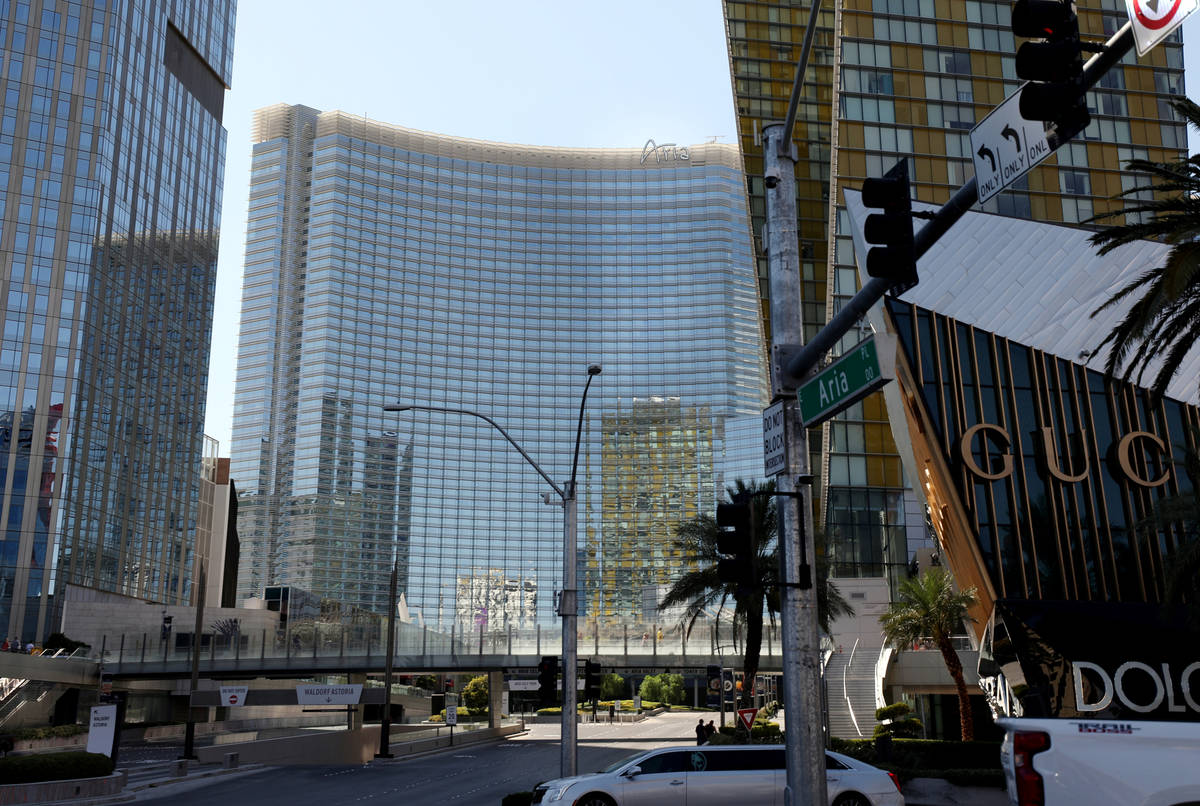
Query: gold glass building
[[892, 79]]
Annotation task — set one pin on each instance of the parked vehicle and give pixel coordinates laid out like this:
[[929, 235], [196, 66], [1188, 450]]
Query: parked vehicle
[[1097, 700], [716, 776]]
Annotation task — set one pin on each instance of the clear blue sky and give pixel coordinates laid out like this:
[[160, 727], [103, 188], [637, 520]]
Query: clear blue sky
[[545, 72]]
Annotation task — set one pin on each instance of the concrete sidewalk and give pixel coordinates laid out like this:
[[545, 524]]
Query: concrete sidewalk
[[939, 792]]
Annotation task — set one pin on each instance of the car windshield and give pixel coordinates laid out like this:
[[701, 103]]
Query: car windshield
[[616, 765]]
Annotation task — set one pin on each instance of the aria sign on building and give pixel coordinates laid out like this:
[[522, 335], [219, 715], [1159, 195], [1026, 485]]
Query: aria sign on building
[[667, 152]]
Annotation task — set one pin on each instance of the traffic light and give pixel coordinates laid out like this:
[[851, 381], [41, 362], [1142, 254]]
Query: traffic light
[[1053, 63], [735, 540], [548, 679], [591, 680], [894, 259]]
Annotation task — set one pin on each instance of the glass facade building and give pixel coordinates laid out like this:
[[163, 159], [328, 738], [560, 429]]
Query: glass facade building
[[908, 79], [390, 265], [111, 158]]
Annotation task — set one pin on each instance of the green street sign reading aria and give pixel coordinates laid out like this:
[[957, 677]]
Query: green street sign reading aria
[[841, 384]]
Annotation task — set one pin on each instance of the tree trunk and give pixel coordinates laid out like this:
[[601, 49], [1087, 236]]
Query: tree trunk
[[754, 634], [954, 666]]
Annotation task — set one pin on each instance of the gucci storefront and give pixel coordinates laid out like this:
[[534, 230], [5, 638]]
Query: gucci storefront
[[1040, 473]]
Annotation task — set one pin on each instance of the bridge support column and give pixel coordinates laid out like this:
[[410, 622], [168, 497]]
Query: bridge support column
[[495, 687], [354, 714]]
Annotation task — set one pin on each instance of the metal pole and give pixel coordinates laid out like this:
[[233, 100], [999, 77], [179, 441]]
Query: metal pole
[[805, 751], [189, 734], [385, 724], [570, 727]]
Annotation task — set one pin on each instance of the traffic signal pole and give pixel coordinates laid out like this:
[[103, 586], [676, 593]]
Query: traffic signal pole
[[791, 362], [804, 742]]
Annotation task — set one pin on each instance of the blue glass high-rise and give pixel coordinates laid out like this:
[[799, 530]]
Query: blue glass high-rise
[[111, 159], [389, 265]]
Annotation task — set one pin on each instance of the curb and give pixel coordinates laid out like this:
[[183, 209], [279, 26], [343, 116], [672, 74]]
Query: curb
[[130, 793]]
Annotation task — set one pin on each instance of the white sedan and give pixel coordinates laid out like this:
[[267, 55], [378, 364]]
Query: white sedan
[[716, 776]]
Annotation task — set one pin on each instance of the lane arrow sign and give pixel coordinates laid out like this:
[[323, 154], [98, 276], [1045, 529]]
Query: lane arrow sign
[[987, 154], [1011, 133]]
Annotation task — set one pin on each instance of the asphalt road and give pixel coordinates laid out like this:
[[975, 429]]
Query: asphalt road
[[471, 776]]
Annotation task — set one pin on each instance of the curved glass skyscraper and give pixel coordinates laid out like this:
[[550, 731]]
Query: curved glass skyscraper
[[385, 264]]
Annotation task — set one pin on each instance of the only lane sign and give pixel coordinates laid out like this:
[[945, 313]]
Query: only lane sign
[[1005, 146]]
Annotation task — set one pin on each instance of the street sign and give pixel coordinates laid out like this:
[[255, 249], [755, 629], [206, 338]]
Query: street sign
[[233, 695], [746, 715], [311, 694], [841, 384], [102, 729], [1005, 146], [1154, 20], [522, 685], [451, 714], [774, 444]]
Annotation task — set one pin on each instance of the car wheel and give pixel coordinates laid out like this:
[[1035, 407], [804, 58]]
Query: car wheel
[[595, 799], [852, 799]]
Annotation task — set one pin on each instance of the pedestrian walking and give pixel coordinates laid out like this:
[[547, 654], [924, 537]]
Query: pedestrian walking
[[701, 733], [709, 730], [612, 712]]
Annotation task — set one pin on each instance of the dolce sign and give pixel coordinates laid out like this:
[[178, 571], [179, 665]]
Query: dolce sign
[[1001, 439], [1126, 675]]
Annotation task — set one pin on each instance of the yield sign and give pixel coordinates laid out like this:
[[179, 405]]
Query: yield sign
[[747, 716], [1153, 20]]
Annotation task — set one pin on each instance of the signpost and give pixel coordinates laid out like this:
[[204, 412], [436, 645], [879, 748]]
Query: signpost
[[1154, 20], [1005, 146], [841, 384]]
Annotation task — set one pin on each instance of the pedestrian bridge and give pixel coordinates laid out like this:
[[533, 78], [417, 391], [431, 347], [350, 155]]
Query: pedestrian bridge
[[305, 652]]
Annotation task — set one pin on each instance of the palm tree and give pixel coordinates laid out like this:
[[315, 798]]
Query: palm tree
[[929, 607], [700, 589], [1165, 319]]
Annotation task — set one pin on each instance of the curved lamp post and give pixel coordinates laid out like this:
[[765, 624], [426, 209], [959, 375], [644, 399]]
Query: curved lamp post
[[568, 603]]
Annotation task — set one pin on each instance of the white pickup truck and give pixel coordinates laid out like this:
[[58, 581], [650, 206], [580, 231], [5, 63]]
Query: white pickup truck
[[1100, 703], [1068, 762]]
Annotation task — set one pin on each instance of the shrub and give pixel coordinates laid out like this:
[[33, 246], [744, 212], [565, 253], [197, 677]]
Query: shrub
[[53, 767], [895, 721], [475, 693], [766, 733], [517, 799], [48, 732], [721, 738], [612, 687], [437, 718], [922, 755], [665, 688], [57, 640], [893, 711]]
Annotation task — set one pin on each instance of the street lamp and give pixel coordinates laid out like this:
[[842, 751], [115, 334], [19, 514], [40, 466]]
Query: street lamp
[[568, 602]]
